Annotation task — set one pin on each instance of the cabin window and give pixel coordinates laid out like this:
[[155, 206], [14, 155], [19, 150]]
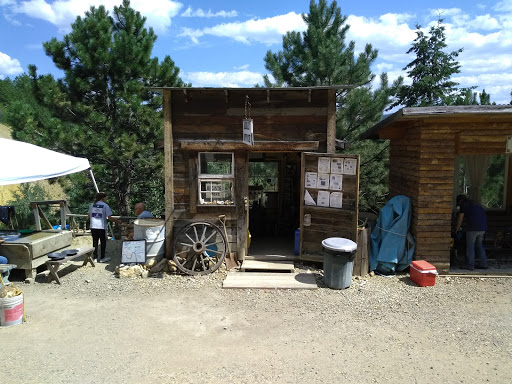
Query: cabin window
[[216, 172], [482, 178]]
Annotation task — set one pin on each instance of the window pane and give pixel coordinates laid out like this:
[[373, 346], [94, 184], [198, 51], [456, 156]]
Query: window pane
[[216, 192], [493, 184], [215, 163]]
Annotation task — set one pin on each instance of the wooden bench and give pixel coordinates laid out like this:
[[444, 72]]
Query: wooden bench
[[54, 265], [5, 271]]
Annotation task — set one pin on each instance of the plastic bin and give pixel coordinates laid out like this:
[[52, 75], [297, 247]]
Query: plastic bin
[[296, 248], [338, 254]]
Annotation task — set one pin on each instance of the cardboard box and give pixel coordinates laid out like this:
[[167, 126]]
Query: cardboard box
[[423, 273]]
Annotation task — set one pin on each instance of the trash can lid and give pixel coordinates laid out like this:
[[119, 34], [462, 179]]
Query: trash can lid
[[339, 244]]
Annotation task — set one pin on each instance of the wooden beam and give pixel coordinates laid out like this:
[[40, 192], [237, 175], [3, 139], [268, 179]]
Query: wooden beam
[[169, 172], [241, 199], [331, 121], [231, 145]]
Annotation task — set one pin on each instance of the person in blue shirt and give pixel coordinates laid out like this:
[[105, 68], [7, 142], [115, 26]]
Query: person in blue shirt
[[140, 211], [476, 225], [99, 213]]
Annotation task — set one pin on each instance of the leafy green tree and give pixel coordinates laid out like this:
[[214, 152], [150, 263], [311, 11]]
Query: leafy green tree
[[321, 56], [22, 198], [102, 108], [430, 71]]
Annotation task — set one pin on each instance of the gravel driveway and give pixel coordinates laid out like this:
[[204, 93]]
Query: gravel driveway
[[96, 328]]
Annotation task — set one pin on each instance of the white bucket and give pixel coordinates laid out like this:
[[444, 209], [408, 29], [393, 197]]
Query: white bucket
[[153, 231], [11, 310]]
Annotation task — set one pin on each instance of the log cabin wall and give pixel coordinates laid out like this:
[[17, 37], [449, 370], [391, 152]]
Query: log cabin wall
[[423, 148], [205, 119]]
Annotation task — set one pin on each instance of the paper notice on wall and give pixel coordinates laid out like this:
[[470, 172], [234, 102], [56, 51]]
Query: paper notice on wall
[[311, 179], [336, 182], [323, 181], [349, 166], [336, 199], [248, 133], [324, 165], [323, 199], [308, 199], [337, 165]]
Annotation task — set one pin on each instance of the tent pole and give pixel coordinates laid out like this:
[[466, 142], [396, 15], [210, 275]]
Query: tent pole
[[94, 180]]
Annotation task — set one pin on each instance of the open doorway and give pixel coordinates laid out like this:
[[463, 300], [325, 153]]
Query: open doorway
[[484, 179], [273, 202]]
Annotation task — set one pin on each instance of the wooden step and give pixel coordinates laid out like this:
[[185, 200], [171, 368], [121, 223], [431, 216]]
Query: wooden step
[[268, 265], [260, 280]]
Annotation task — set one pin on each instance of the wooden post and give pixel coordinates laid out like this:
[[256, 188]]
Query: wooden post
[[169, 172], [63, 209], [331, 121], [37, 220], [241, 195]]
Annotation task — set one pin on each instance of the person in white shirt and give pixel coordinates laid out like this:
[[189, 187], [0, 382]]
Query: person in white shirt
[[99, 213]]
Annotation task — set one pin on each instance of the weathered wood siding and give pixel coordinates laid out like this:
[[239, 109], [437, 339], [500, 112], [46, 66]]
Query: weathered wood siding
[[422, 167], [204, 115], [278, 115], [326, 221]]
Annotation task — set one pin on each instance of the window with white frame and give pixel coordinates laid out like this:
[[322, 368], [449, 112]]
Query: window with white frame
[[216, 172]]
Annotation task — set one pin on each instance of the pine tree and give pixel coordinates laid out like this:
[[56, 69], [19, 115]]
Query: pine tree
[[102, 108], [430, 71], [321, 56]]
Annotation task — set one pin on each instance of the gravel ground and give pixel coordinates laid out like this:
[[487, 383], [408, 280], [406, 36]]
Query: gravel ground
[[96, 328]]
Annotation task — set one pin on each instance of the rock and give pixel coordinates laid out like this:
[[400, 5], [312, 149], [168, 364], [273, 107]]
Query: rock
[[129, 271], [158, 267]]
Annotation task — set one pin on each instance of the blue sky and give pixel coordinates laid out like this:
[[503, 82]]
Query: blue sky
[[223, 43]]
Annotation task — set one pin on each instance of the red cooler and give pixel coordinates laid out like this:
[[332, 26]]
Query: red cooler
[[423, 273]]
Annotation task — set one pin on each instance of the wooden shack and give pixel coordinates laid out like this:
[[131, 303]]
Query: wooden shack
[[425, 143], [291, 129]]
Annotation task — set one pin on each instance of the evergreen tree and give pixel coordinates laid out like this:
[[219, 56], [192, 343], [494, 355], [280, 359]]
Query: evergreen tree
[[102, 109], [430, 71], [321, 56]]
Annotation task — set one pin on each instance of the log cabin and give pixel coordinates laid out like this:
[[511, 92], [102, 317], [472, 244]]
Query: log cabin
[[427, 146], [239, 129]]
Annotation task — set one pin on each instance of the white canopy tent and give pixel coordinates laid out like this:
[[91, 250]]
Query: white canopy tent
[[23, 162]]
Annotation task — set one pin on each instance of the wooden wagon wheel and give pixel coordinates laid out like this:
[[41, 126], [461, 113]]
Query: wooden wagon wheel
[[199, 248]]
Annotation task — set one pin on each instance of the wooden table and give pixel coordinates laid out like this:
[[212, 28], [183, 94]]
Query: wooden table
[[54, 265], [5, 271]]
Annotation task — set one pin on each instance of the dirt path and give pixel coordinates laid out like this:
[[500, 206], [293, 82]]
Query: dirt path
[[96, 328]]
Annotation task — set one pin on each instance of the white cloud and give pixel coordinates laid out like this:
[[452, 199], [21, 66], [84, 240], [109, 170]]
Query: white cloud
[[189, 12], [62, 13], [504, 6], [390, 33], [240, 79], [9, 66], [265, 31]]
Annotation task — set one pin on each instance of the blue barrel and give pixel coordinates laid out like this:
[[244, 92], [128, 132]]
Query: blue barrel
[[297, 241]]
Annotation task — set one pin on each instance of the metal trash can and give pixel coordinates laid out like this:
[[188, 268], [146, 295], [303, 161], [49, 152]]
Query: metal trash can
[[338, 254]]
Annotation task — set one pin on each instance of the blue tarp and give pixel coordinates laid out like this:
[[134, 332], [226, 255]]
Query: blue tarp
[[392, 246]]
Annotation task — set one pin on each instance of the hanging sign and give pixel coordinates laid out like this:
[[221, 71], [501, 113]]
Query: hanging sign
[[248, 136]]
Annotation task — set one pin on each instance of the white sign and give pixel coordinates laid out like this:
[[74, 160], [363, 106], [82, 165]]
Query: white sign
[[311, 179], [336, 182], [349, 166], [336, 200], [337, 165], [324, 165], [248, 134], [323, 198], [133, 252]]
